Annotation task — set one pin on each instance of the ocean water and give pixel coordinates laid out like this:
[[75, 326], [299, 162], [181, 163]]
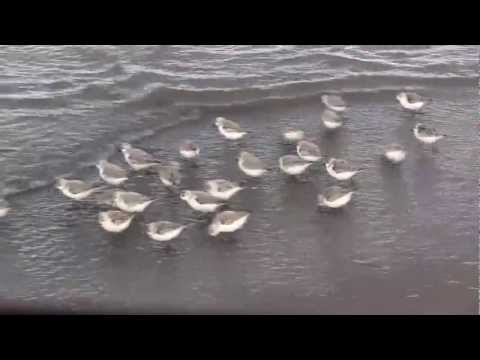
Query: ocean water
[[406, 244]]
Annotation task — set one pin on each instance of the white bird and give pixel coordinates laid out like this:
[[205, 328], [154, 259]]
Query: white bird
[[334, 102], [331, 119], [164, 230], [293, 165], [334, 197], [76, 189], [308, 151], [112, 174], [131, 201], [341, 169], [426, 135], [228, 221], [292, 135], [411, 101], [137, 158], [222, 189], [229, 129], [170, 175], [395, 153], [4, 207], [188, 150], [115, 221], [201, 201], [251, 165]]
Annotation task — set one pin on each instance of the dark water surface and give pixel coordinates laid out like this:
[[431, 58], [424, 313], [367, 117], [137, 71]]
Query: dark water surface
[[407, 243]]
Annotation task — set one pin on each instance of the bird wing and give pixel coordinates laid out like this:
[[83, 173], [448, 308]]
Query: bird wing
[[119, 216], [205, 198], [114, 170], [134, 198], [412, 97], [165, 226], [253, 162], [229, 217], [335, 100], [78, 186], [333, 193], [141, 156], [343, 165], [430, 132], [229, 125], [225, 185], [310, 148], [292, 160]]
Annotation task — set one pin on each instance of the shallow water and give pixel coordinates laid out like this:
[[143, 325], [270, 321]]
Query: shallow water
[[407, 243]]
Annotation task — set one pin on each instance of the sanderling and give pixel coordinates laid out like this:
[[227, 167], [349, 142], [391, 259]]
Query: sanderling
[[227, 221], [170, 175], [334, 197], [189, 150], [76, 189], [131, 201], [308, 151], [115, 221], [137, 158], [112, 174], [293, 165], [334, 102], [250, 164], [201, 201], [231, 130], [341, 169], [412, 101], [4, 207], [222, 189], [164, 230], [395, 153], [426, 135], [331, 119], [292, 135]]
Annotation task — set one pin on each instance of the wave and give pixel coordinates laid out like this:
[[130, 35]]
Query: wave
[[290, 91]]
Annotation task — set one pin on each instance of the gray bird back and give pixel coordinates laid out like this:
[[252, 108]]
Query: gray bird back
[[228, 217], [335, 100], [251, 161], [341, 165], [113, 170], [133, 198], [333, 193]]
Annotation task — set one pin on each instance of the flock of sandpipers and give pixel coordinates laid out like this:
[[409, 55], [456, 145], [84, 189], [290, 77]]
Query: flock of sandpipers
[[218, 192]]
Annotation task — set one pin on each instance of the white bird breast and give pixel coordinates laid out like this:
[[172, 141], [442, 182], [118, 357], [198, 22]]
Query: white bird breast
[[189, 154], [251, 172], [410, 106], [332, 124], [395, 155], [231, 227], [202, 207], [4, 212], [231, 135], [295, 170], [293, 135], [167, 235], [108, 225], [340, 176], [223, 195]]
